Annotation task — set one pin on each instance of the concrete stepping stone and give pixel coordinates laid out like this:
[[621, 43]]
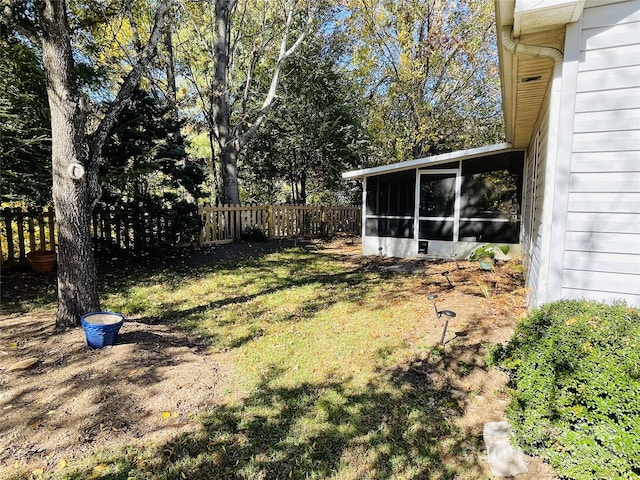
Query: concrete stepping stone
[[504, 459]]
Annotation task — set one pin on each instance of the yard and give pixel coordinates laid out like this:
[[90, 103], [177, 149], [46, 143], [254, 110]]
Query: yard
[[272, 360]]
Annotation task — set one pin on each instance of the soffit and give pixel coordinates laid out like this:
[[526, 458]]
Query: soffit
[[531, 77], [534, 15], [525, 79]]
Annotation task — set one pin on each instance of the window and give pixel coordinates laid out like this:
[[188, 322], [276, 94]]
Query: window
[[390, 227], [490, 199], [390, 205]]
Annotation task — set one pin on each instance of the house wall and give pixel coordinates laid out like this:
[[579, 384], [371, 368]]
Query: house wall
[[602, 243], [537, 208], [584, 242]]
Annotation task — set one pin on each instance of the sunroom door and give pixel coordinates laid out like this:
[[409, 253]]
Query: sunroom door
[[437, 206]]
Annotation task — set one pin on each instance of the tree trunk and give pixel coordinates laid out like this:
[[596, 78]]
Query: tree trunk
[[170, 70], [75, 157], [217, 193], [303, 187], [229, 174], [77, 275], [228, 150]]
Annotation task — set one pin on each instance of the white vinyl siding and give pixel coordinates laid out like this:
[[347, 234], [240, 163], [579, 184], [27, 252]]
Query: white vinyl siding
[[605, 17], [615, 100], [533, 226], [603, 222], [602, 243], [598, 80], [608, 181], [602, 262], [592, 162], [608, 121], [605, 141]]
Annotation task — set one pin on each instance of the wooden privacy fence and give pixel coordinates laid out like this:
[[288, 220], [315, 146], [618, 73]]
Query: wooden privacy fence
[[137, 229], [229, 222], [23, 231]]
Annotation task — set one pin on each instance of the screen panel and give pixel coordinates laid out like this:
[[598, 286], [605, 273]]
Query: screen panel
[[437, 195], [389, 227]]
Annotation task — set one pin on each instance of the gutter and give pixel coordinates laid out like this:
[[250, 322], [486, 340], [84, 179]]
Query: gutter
[[516, 48]]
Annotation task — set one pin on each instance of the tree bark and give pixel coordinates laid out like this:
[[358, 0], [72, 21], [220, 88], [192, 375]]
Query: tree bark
[[228, 153], [170, 69], [77, 275], [229, 174], [303, 187], [75, 157]]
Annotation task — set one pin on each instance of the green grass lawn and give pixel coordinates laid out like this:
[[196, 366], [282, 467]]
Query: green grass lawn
[[317, 348], [290, 318]]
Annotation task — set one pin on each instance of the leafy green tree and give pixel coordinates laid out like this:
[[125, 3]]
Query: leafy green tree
[[313, 135], [25, 136], [430, 72], [145, 169]]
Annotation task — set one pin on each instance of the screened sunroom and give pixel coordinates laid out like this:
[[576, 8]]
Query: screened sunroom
[[443, 206]]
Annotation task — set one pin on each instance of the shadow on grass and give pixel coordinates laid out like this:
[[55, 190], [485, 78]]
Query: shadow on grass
[[334, 278], [22, 289], [399, 426]]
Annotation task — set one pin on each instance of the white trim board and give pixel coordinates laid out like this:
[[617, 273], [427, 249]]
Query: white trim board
[[434, 160]]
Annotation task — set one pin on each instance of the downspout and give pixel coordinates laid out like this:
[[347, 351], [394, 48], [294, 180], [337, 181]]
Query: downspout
[[550, 270], [517, 48]]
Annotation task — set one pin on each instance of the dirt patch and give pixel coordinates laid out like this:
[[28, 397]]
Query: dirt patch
[[75, 400], [154, 382]]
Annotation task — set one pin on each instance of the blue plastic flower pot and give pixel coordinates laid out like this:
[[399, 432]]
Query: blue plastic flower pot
[[101, 328]]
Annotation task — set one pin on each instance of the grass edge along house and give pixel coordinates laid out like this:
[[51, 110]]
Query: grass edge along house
[[570, 73]]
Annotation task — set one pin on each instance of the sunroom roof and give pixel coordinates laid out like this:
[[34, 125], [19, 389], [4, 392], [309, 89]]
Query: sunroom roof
[[433, 160]]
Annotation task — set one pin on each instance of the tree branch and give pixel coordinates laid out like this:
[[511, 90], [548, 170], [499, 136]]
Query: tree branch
[[285, 53], [129, 83]]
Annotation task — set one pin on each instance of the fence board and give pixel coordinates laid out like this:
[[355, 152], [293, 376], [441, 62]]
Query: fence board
[[22, 231], [227, 223], [8, 234]]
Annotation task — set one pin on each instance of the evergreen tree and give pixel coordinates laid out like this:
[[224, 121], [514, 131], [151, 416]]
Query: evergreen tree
[[25, 133], [145, 169]]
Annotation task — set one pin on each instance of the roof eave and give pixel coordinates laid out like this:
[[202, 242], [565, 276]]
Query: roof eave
[[431, 161], [504, 16], [524, 17]]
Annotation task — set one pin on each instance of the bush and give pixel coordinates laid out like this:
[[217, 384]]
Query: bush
[[254, 233], [575, 372]]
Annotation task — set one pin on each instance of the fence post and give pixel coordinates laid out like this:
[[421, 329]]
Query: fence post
[[42, 237], [8, 218], [32, 230], [270, 222], [204, 221], [20, 225], [324, 231]]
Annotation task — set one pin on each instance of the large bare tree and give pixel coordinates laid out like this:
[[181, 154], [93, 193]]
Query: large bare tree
[[76, 154], [241, 36]]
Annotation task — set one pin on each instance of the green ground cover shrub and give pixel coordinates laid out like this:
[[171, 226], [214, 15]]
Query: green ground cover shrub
[[575, 374]]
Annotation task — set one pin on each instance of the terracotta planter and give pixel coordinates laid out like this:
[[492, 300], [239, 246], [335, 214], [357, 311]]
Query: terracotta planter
[[42, 261]]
